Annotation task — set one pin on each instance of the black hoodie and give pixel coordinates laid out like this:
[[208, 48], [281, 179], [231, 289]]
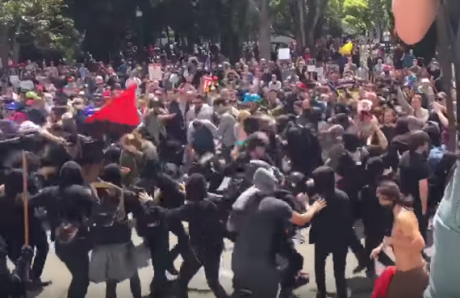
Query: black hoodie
[[70, 201], [202, 213], [373, 214], [333, 225], [12, 211]]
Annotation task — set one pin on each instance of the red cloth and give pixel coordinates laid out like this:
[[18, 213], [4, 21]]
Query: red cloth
[[382, 283], [120, 110]]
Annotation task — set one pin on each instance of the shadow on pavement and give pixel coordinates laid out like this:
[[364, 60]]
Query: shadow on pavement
[[360, 287]]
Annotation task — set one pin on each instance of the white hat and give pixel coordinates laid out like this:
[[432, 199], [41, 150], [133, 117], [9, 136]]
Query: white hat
[[99, 80]]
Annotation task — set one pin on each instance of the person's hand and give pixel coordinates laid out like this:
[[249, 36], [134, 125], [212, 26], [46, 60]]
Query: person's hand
[[62, 142], [424, 210], [374, 122], [375, 252], [144, 197], [125, 170], [436, 107], [318, 205], [387, 241]]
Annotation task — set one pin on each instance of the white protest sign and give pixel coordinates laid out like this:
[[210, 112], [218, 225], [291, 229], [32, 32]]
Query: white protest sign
[[27, 85], [320, 73], [311, 65], [15, 81], [284, 54], [155, 72]]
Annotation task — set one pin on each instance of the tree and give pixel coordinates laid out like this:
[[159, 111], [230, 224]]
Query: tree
[[38, 23], [299, 19], [315, 10], [361, 16], [356, 16]]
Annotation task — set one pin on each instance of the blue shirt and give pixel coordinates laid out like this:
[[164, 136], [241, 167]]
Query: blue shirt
[[251, 97]]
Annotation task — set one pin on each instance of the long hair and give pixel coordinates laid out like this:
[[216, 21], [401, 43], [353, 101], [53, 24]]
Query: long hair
[[390, 190]]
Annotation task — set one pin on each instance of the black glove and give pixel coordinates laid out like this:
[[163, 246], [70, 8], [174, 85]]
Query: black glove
[[27, 253]]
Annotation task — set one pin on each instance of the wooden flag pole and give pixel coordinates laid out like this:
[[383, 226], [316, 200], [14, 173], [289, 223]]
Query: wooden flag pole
[[25, 200]]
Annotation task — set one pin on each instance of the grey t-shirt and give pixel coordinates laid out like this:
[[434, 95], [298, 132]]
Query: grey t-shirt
[[258, 231]]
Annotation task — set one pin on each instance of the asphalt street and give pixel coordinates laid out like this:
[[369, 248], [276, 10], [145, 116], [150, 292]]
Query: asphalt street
[[56, 272]]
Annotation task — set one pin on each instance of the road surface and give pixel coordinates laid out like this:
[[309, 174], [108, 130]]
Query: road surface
[[56, 272]]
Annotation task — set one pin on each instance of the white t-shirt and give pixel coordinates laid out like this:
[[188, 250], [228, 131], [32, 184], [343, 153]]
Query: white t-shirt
[[134, 81], [274, 85], [28, 126]]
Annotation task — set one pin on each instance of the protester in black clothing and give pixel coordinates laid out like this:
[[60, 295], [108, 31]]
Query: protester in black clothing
[[376, 224], [68, 206], [413, 176], [299, 141], [151, 226], [292, 277], [12, 226], [351, 179], [171, 196], [388, 127], [113, 255], [206, 236], [330, 231], [257, 217], [13, 285], [255, 149]]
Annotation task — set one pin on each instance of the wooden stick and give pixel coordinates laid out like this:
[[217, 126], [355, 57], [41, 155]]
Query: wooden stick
[[25, 201]]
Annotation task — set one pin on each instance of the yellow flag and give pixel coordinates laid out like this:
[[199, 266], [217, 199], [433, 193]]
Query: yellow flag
[[346, 49]]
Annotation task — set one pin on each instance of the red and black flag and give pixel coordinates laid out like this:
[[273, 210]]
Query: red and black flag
[[118, 116]]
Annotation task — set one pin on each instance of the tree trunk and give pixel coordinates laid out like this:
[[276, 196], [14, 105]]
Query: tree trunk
[[297, 26], [315, 10], [265, 28], [16, 49], [4, 46], [301, 8]]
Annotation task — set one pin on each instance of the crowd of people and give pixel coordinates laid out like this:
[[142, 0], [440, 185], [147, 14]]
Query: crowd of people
[[252, 152]]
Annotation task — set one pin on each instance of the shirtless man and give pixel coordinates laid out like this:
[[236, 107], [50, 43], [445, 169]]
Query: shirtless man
[[411, 277]]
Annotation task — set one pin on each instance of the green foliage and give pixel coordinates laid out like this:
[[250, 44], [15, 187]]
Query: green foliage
[[282, 19], [358, 16], [41, 23]]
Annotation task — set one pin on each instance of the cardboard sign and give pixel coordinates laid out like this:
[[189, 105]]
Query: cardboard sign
[[311, 65], [320, 73], [27, 85], [155, 72], [15, 81], [284, 54]]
